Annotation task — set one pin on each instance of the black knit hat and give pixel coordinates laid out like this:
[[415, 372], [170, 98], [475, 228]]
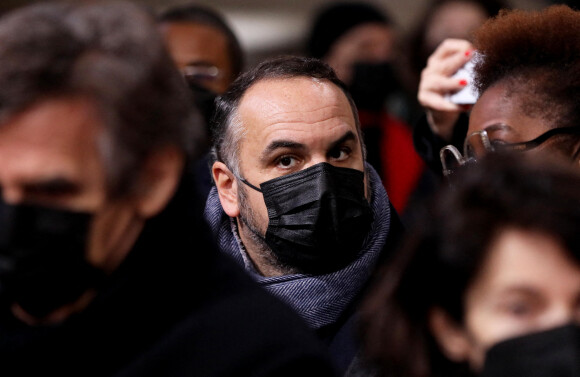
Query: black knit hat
[[337, 19]]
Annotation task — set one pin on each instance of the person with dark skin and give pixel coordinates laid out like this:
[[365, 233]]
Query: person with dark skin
[[106, 266], [489, 282], [442, 35], [519, 100]]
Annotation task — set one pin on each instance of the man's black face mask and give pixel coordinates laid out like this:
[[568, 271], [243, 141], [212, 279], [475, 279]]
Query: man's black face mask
[[42, 257], [318, 217], [551, 353], [204, 100]]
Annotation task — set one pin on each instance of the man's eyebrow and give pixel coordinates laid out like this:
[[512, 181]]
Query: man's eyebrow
[[348, 136], [278, 144], [288, 144]]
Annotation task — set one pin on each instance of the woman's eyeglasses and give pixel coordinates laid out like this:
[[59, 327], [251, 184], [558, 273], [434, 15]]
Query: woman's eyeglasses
[[480, 143]]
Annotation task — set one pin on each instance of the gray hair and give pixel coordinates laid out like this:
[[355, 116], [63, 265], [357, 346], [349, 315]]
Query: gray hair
[[111, 53]]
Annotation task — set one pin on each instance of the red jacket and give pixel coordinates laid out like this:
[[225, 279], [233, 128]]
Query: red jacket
[[401, 165]]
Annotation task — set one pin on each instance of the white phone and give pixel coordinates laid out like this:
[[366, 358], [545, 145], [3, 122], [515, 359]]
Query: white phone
[[467, 95]]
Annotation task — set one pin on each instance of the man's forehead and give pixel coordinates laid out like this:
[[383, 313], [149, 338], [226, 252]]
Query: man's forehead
[[72, 117], [299, 101], [53, 140], [292, 88], [58, 129]]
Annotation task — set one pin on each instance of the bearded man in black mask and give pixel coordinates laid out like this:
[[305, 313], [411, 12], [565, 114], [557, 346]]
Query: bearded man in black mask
[[295, 203], [360, 42], [105, 264]]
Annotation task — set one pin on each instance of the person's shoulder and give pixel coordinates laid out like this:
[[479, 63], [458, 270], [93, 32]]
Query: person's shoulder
[[249, 333]]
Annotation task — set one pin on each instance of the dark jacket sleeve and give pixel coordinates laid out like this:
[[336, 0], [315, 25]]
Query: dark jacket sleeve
[[231, 338], [428, 144]]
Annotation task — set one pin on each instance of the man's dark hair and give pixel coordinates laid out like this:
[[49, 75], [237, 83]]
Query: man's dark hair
[[226, 126], [110, 53], [197, 14], [445, 252]]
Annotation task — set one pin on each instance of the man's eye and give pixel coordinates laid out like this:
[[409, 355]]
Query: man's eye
[[286, 162], [340, 154]]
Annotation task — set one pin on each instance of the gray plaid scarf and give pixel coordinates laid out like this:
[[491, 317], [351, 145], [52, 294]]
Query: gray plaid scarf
[[319, 299]]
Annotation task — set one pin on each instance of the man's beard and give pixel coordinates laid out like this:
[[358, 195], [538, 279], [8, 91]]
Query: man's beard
[[249, 219]]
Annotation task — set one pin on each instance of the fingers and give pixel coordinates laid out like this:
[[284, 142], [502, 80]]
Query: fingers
[[449, 56], [434, 88], [436, 102], [436, 81]]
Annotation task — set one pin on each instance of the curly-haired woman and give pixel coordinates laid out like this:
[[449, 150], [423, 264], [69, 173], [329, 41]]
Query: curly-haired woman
[[528, 79]]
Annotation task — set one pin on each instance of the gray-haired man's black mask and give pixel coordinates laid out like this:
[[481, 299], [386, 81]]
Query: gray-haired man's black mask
[[43, 265]]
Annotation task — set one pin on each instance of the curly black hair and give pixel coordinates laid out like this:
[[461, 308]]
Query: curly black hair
[[537, 54]]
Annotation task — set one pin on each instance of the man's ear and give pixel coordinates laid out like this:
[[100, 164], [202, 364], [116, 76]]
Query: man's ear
[[451, 337], [158, 180], [227, 187]]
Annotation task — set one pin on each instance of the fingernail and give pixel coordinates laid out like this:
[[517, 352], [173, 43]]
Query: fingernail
[[467, 53], [462, 82]]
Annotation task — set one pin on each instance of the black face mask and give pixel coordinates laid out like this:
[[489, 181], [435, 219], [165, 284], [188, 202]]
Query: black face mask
[[371, 85], [552, 353], [42, 258], [318, 217], [204, 100]]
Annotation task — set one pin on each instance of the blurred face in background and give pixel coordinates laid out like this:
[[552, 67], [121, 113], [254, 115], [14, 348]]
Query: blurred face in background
[[201, 54], [368, 43], [453, 19], [527, 283], [54, 176], [49, 157]]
